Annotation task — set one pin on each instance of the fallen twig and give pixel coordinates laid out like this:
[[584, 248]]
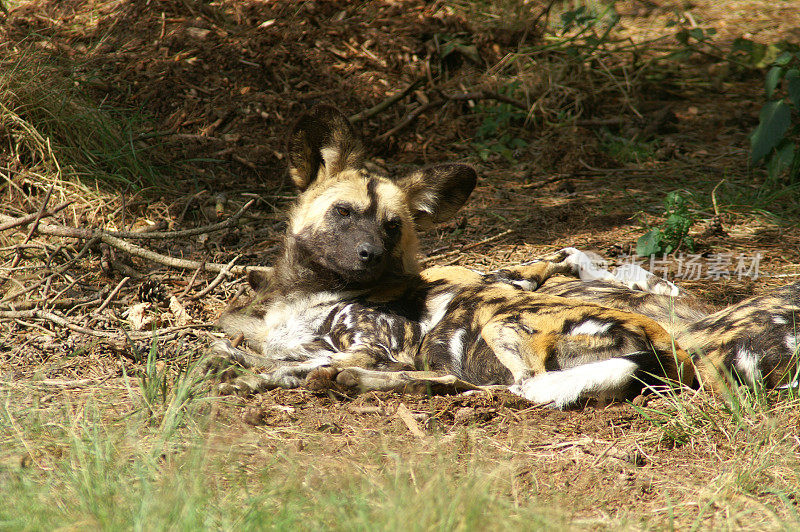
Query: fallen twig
[[478, 95], [193, 279], [487, 95], [61, 383], [63, 322], [133, 249], [15, 222], [546, 182], [385, 104], [57, 271], [218, 279], [66, 303], [407, 417], [410, 117], [468, 247], [111, 296], [164, 235]]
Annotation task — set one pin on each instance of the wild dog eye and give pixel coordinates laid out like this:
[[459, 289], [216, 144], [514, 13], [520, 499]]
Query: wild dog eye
[[342, 210], [392, 225]]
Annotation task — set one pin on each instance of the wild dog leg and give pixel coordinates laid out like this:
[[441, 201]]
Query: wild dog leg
[[243, 372], [530, 276], [221, 354], [527, 276], [585, 266], [513, 348], [364, 380], [267, 373]]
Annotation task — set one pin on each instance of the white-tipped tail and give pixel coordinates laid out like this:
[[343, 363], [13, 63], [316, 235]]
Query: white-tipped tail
[[608, 378]]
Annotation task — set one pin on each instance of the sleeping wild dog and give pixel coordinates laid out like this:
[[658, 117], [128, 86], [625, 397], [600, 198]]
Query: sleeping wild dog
[[347, 296]]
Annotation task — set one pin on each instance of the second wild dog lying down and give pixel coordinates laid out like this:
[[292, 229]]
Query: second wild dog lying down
[[347, 292]]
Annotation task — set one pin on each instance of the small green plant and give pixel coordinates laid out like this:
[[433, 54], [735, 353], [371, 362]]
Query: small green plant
[[775, 139], [673, 233], [495, 134], [626, 150], [153, 381], [166, 392]]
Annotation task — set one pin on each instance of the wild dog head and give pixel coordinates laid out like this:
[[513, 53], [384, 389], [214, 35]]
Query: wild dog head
[[351, 227]]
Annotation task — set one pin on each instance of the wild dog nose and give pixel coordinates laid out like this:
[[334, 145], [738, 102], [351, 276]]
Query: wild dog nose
[[369, 253]]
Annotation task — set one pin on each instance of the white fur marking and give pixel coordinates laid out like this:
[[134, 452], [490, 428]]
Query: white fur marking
[[348, 320], [591, 327], [287, 326], [329, 154], [435, 310], [747, 365], [525, 285], [562, 388], [457, 349], [791, 342]]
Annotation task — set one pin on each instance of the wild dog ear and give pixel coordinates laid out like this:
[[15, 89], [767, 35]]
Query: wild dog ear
[[322, 143], [435, 193]]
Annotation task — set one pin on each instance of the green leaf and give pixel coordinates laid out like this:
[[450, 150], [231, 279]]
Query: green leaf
[[697, 33], [784, 59], [649, 243], [785, 153], [773, 79], [771, 53], [743, 45], [793, 81], [774, 120], [780, 159]]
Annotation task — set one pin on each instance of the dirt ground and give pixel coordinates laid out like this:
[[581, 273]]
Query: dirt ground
[[215, 86]]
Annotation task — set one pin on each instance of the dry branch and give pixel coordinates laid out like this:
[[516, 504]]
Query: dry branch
[[411, 117], [16, 222], [57, 271], [133, 249], [478, 95], [112, 295], [164, 235], [218, 279], [119, 335], [66, 303], [385, 104], [467, 247]]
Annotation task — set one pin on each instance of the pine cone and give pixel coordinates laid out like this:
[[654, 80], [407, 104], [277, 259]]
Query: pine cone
[[152, 291]]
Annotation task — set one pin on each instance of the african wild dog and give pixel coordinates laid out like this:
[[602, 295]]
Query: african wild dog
[[347, 292]]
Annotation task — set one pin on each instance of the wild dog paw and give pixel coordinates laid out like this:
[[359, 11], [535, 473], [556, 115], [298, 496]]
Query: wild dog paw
[[221, 354], [222, 361], [586, 265], [294, 374], [247, 384], [637, 278], [244, 385], [322, 378]]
